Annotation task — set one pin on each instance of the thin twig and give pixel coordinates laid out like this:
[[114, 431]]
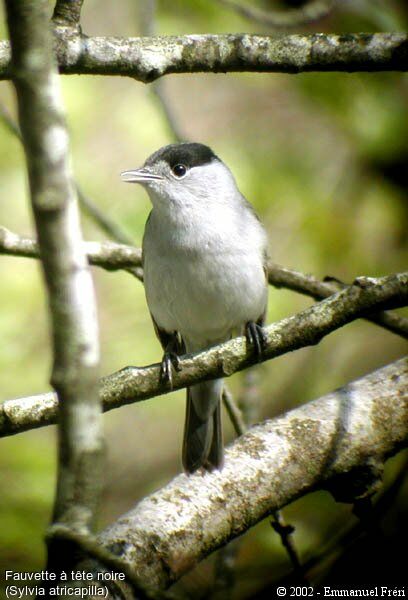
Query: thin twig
[[234, 413], [310, 286], [285, 533], [108, 255], [112, 229], [148, 28], [248, 400], [313, 11], [173, 127]]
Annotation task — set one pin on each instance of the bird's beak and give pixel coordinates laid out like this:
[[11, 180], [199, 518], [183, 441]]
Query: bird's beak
[[140, 176]]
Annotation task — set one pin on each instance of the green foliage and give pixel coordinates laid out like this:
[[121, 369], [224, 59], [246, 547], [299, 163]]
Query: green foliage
[[309, 151]]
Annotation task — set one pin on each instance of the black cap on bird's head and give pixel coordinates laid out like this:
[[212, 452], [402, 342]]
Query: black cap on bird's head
[[191, 154], [178, 157]]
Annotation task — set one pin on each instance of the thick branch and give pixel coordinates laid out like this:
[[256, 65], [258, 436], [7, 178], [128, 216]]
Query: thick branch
[[342, 435], [147, 59], [308, 327], [68, 279], [111, 256]]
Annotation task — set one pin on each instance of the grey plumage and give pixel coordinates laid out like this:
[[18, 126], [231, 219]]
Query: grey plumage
[[204, 255]]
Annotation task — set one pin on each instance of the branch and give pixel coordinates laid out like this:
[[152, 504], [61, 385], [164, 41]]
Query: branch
[[306, 328], [108, 255], [234, 412], [343, 433], [111, 256], [146, 59], [311, 286], [68, 280], [67, 13], [312, 11]]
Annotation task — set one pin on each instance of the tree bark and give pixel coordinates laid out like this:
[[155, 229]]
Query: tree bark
[[67, 276], [148, 58], [338, 441]]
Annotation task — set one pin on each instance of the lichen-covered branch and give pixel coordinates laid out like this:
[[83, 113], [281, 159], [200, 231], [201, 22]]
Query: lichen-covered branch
[[306, 328], [111, 256], [350, 431], [68, 279], [147, 59]]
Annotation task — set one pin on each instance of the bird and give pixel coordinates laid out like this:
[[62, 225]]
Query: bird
[[204, 256]]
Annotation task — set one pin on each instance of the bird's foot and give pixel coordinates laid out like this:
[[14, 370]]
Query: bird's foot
[[256, 336], [170, 361]]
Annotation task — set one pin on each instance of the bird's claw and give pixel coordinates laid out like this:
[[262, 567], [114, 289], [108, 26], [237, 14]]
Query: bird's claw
[[256, 336], [169, 362]]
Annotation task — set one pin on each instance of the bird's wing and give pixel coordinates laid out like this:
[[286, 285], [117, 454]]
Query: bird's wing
[[147, 222], [163, 335]]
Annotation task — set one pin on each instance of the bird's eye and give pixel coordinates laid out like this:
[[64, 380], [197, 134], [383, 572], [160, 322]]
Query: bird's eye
[[179, 170]]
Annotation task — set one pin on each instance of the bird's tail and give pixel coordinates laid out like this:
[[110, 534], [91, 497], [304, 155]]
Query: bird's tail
[[202, 445]]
